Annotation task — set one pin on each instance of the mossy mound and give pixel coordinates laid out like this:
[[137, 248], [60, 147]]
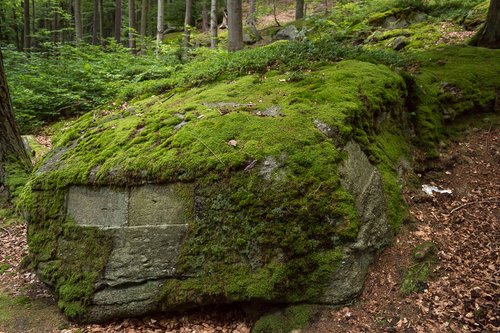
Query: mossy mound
[[272, 220], [286, 185], [452, 81], [186, 135]]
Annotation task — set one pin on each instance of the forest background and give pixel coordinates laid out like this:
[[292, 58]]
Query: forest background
[[62, 61]]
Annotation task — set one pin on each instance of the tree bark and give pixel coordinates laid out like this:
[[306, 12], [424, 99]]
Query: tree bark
[[235, 25], [96, 23], [144, 20], [118, 21], [274, 14], [188, 23], [33, 20], [19, 43], [251, 19], [213, 24], [78, 20], [131, 26], [204, 17], [55, 27], [27, 38], [12, 151], [489, 35], [299, 9], [159, 23], [101, 21]]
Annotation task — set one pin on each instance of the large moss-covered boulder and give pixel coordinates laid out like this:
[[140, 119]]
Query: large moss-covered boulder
[[279, 189]]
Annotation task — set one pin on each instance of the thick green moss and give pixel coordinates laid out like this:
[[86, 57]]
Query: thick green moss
[[16, 175], [142, 141], [293, 318], [452, 80], [417, 274], [271, 218]]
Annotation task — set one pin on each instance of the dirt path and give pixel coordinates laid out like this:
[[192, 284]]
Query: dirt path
[[462, 293], [459, 234]]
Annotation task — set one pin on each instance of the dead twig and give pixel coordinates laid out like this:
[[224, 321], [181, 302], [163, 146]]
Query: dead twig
[[7, 231], [484, 280], [203, 143], [473, 203]]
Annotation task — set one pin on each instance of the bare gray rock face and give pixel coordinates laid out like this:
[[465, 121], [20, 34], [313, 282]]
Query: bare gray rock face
[[148, 225], [363, 181]]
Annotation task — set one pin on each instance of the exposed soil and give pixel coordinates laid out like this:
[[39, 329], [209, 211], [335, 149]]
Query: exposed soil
[[462, 294]]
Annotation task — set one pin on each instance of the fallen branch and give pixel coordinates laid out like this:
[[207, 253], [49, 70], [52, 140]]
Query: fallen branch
[[6, 230], [484, 280], [473, 203]]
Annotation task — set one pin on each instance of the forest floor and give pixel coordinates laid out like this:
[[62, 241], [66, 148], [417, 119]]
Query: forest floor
[[456, 236]]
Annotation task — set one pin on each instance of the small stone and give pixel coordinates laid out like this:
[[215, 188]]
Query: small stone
[[399, 43]]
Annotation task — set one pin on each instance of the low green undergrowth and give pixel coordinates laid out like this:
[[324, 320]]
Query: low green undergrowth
[[416, 275], [293, 318], [62, 80]]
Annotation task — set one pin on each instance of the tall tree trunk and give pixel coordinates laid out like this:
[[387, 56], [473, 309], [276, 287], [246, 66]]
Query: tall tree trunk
[[251, 19], [33, 20], [235, 25], [299, 9], [131, 26], [95, 22], [213, 24], [204, 17], [118, 21], [78, 20], [13, 156], [144, 21], [3, 18], [489, 35], [27, 39], [159, 23], [101, 21], [55, 26], [16, 29], [188, 22]]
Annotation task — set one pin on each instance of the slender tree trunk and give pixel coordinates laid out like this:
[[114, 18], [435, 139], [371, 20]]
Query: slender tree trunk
[[144, 21], [16, 29], [131, 26], [188, 22], [101, 22], [213, 24], [78, 21], [95, 22], [489, 35], [33, 20], [251, 19], [299, 9], [159, 23], [204, 17], [235, 25], [3, 18], [274, 14], [55, 27], [13, 156], [118, 21], [27, 39]]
